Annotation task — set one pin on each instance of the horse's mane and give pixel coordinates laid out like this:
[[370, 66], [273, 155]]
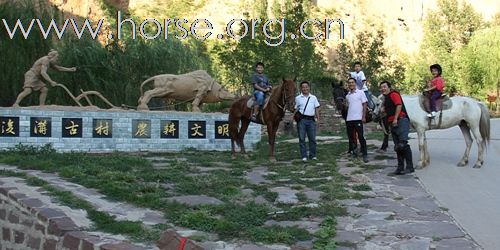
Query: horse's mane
[[278, 90]]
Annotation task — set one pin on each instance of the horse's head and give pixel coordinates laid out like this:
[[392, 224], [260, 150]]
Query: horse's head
[[377, 111], [339, 94], [288, 91]]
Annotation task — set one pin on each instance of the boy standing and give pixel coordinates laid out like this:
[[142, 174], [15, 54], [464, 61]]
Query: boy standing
[[360, 78]]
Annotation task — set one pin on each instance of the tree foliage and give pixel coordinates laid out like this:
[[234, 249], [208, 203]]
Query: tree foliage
[[449, 35], [480, 61], [369, 49], [115, 69], [292, 58]]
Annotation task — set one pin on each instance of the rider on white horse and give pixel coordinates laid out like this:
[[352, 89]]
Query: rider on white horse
[[435, 86]]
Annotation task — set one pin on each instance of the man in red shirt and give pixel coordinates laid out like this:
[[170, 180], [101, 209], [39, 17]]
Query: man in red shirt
[[397, 118], [436, 87]]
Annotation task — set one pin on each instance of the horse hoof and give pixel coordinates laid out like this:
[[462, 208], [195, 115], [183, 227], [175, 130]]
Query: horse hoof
[[461, 164], [142, 108], [477, 166]]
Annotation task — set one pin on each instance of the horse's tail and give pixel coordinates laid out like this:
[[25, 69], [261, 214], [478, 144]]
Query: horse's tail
[[484, 124], [142, 84], [234, 125]]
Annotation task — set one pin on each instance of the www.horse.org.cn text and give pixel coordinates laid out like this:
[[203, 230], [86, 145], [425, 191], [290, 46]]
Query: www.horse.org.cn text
[[272, 31]]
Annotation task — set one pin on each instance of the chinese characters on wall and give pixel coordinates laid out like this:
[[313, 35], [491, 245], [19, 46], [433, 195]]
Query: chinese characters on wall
[[103, 128]]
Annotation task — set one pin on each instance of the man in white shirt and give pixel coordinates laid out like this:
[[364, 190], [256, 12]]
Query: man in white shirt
[[307, 104], [356, 113]]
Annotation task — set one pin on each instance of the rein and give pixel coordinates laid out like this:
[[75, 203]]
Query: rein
[[284, 99]]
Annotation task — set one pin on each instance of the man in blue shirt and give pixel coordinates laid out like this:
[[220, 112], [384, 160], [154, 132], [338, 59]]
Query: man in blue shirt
[[261, 86]]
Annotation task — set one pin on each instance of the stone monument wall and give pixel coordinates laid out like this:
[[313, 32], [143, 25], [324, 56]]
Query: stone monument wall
[[126, 131]]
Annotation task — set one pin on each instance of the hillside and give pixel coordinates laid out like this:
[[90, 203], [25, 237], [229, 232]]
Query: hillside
[[401, 20]]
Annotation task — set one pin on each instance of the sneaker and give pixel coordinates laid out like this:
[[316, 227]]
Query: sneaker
[[381, 151], [315, 158], [304, 159], [431, 114], [365, 159]]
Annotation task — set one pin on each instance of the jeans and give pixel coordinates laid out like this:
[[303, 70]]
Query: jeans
[[371, 104], [259, 97], [435, 95], [308, 127], [358, 127], [400, 138]]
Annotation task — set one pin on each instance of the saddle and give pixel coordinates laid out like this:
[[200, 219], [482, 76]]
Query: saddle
[[251, 101], [442, 103]]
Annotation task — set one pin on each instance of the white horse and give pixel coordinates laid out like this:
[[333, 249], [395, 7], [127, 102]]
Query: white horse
[[469, 114]]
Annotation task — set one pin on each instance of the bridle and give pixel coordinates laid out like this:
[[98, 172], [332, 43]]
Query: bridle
[[286, 103]]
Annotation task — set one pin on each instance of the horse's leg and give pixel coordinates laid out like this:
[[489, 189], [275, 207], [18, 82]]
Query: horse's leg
[[480, 145], [426, 151], [271, 133], [241, 136], [421, 148], [468, 143], [144, 100], [195, 105], [234, 137]]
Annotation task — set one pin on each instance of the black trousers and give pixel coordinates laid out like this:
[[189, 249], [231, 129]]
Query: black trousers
[[358, 127], [403, 150]]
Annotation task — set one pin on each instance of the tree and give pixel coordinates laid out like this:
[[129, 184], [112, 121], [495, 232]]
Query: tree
[[293, 57], [480, 60], [446, 32], [451, 26], [368, 48]]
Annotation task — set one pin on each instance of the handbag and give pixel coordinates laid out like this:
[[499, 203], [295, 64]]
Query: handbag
[[297, 116]]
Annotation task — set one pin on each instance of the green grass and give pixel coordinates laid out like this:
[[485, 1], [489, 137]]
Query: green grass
[[133, 179], [361, 187], [375, 135], [324, 234]]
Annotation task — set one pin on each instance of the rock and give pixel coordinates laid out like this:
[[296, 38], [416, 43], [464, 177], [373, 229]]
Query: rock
[[196, 200], [171, 240], [349, 236], [413, 244], [285, 195], [256, 176], [426, 229]]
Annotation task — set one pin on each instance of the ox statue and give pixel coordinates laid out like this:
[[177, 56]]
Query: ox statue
[[197, 86]]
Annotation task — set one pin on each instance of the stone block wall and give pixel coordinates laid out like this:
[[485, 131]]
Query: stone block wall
[[27, 223], [123, 128]]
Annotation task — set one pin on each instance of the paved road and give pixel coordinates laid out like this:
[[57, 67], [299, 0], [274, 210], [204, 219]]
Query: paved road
[[471, 195]]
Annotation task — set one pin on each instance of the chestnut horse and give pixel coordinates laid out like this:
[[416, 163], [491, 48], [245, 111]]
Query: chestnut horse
[[282, 97]]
